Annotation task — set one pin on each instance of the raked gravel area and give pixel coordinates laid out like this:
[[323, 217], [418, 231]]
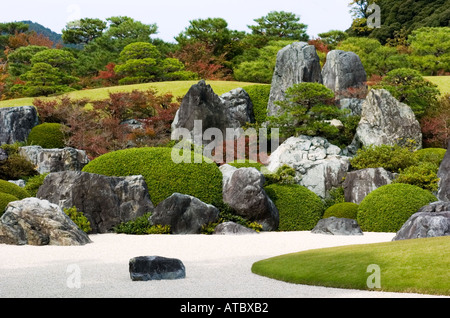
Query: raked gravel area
[[217, 266]]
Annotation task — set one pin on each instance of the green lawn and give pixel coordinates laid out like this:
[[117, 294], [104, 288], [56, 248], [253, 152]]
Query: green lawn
[[443, 82], [178, 88], [408, 266]]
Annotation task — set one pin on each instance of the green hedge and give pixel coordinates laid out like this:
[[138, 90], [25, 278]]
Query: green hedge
[[430, 155], [387, 208], [346, 210], [5, 198], [162, 175], [13, 189], [259, 95], [300, 209], [48, 135]]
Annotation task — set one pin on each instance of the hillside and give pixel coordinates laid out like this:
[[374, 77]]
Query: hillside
[[178, 89]]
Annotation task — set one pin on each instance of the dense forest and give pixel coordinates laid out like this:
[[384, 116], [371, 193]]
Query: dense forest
[[34, 61]]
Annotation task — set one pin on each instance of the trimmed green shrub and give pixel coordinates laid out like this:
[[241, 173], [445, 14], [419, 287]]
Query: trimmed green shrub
[[423, 175], [79, 219], [33, 184], [5, 198], [259, 95], [300, 209], [141, 226], [16, 167], [387, 208], [162, 175], [431, 155], [391, 158], [284, 175], [346, 210], [48, 135], [13, 189]]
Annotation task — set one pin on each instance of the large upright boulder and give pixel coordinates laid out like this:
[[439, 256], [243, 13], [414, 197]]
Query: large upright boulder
[[105, 201], [231, 110], [55, 160], [16, 123], [243, 191], [38, 222], [343, 70], [319, 165], [358, 184], [296, 63], [386, 121]]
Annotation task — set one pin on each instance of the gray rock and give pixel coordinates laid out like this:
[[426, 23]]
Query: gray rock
[[105, 201], [425, 224], [343, 70], [244, 192], [296, 63], [16, 123], [444, 178], [354, 105], [184, 214], [232, 110], [319, 165], [55, 160], [337, 226], [38, 222], [20, 183], [386, 121], [358, 184], [232, 228], [147, 268], [439, 206]]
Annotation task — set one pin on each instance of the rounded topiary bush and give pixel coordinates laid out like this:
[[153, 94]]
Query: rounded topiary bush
[[48, 135], [13, 189], [430, 155], [347, 210], [5, 198], [387, 208], [162, 175], [300, 209]]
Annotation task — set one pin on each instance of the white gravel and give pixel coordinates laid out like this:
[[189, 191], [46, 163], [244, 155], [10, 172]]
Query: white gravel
[[216, 267]]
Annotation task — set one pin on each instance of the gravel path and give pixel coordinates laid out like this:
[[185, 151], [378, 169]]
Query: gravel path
[[216, 267]]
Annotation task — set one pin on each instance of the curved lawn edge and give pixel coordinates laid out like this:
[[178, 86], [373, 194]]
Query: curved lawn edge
[[408, 266]]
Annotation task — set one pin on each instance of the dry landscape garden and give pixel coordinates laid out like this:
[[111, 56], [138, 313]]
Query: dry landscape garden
[[351, 131]]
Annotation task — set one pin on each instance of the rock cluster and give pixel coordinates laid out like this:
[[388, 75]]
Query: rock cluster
[[337, 226], [319, 165], [229, 111]]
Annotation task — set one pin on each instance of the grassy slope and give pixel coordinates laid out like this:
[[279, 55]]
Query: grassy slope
[[409, 266], [443, 82], [179, 88]]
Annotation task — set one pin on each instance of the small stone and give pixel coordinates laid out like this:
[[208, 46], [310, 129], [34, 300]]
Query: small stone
[[232, 228], [337, 226], [146, 268]]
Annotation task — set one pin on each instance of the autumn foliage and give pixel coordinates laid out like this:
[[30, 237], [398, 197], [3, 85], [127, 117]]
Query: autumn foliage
[[100, 126]]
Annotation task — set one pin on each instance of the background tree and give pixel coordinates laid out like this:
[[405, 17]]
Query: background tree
[[7, 30], [280, 25], [20, 60], [83, 31], [430, 50]]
